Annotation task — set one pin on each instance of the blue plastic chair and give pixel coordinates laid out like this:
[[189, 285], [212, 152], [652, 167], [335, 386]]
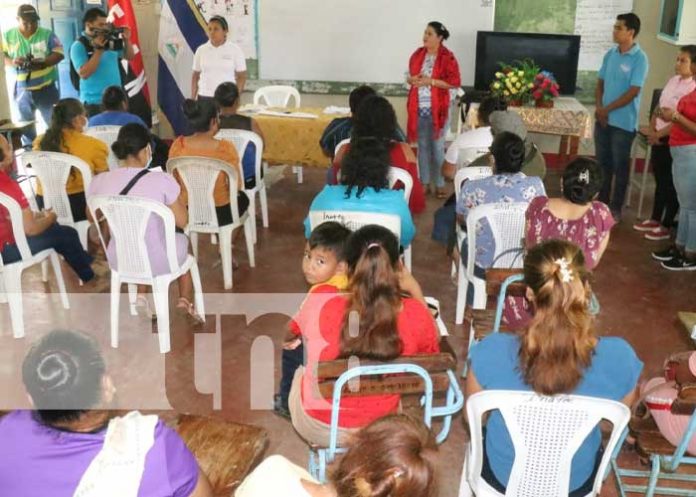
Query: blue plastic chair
[[319, 458], [662, 467]]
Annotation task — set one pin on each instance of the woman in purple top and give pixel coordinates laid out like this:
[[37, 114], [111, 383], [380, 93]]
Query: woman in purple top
[[51, 451], [134, 152], [576, 217]]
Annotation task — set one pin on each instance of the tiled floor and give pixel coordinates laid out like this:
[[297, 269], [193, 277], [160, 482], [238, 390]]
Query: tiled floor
[[639, 302]]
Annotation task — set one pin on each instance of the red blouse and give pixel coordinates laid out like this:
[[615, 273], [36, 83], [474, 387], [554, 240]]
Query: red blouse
[[678, 136], [418, 335]]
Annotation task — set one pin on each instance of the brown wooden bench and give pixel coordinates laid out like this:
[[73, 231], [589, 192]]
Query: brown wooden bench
[[226, 451], [482, 320], [405, 384]]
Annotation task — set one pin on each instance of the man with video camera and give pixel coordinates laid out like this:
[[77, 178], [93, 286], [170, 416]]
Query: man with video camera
[[94, 58], [33, 52]]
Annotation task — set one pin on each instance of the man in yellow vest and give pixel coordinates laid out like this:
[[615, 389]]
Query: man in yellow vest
[[34, 52]]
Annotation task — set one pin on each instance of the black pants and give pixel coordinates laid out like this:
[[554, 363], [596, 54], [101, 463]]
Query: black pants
[[78, 205], [666, 205], [290, 361], [224, 212]]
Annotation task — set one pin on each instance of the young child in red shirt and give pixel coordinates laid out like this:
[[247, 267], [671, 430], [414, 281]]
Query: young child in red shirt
[[324, 268]]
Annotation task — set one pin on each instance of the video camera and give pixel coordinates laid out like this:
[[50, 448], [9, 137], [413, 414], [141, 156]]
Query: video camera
[[113, 37], [26, 65]]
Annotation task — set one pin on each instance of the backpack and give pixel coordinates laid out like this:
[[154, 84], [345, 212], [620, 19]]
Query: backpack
[[74, 76]]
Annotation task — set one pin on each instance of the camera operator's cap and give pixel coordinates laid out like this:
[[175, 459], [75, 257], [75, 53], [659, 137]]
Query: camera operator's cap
[[27, 10]]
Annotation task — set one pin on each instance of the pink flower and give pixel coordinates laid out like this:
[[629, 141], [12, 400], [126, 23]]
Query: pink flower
[[554, 91], [545, 84], [539, 76], [537, 94]]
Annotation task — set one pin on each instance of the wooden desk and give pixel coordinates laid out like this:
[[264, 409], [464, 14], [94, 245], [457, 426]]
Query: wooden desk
[[568, 119], [292, 140]]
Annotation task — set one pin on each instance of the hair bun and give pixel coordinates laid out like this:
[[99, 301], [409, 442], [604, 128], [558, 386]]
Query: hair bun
[[119, 149], [191, 108]]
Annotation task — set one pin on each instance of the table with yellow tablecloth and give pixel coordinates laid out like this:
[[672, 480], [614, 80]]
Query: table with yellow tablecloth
[[568, 118], [289, 139]]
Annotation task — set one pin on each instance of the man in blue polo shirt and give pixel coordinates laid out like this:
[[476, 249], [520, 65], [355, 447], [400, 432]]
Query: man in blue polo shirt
[[617, 99], [95, 62]]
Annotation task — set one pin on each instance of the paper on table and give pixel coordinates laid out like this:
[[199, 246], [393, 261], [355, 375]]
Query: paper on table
[[275, 113], [334, 109]]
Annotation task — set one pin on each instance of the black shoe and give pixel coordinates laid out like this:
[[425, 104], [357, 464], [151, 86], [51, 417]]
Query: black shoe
[[666, 254], [679, 264], [280, 409]]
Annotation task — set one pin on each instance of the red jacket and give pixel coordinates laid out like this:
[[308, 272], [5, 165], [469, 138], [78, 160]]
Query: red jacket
[[446, 69]]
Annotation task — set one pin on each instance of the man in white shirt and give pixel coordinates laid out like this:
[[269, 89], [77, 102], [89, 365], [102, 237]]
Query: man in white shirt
[[217, 61], [477, 138]]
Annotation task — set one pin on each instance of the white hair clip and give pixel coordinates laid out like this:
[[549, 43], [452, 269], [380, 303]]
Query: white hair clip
[[584, 177], [566, 272], [373, 245]]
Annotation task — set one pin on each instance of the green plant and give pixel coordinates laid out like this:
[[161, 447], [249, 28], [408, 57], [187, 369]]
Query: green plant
[[515, 82]]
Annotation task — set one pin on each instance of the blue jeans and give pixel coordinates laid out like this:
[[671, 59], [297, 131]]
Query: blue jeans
[[431, 152], [684, 173], [291, 360], [613, 150], [64, 240], [29, 101]]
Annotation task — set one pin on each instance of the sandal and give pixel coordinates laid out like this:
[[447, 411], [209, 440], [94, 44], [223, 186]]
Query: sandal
[[185, 305]]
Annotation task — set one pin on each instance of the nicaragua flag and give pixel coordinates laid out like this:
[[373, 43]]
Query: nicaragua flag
[[133, 72], [182, 31]]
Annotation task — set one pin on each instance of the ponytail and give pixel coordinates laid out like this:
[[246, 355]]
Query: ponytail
[[369, 327], [63, 114], [558, 344]]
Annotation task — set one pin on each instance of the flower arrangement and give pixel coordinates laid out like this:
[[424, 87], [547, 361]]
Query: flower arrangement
[[545, 89], [514, 83]]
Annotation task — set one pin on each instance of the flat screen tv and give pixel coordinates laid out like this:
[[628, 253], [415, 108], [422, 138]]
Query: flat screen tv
[[551, 52]]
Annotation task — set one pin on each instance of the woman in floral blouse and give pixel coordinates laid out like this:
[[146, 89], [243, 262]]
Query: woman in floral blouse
[[575, 217]]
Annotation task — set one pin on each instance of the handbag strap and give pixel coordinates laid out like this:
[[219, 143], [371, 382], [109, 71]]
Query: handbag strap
[[133, 181]]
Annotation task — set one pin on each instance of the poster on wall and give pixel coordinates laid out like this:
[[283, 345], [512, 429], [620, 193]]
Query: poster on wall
[[240, 16], [594, 21]]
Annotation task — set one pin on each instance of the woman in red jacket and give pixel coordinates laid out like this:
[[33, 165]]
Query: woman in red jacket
[[433, 71]]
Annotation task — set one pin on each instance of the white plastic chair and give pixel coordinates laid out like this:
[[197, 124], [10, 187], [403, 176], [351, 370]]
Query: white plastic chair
[[639, 142], [507, 222], [11, 274], [241, 139], [52, 170], [397, 174], [340, 145], [546, 432], [276, 96], [128, 218], [279, 96], [199, 175], [108, 135], [462, 175], [467, 155], [354, 220]]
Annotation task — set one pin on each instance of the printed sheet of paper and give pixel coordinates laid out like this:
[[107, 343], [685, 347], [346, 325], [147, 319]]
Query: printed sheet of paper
[[594, 21]]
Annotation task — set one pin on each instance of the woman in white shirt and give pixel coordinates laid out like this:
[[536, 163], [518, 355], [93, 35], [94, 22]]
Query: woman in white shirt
[[217, 61]]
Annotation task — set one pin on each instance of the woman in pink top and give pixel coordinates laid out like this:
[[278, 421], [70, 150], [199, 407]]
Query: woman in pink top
[[666, 205], [576, 217], [134, 152]]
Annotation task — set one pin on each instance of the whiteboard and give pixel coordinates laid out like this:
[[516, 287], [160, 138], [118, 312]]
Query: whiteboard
[[362, 40]]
